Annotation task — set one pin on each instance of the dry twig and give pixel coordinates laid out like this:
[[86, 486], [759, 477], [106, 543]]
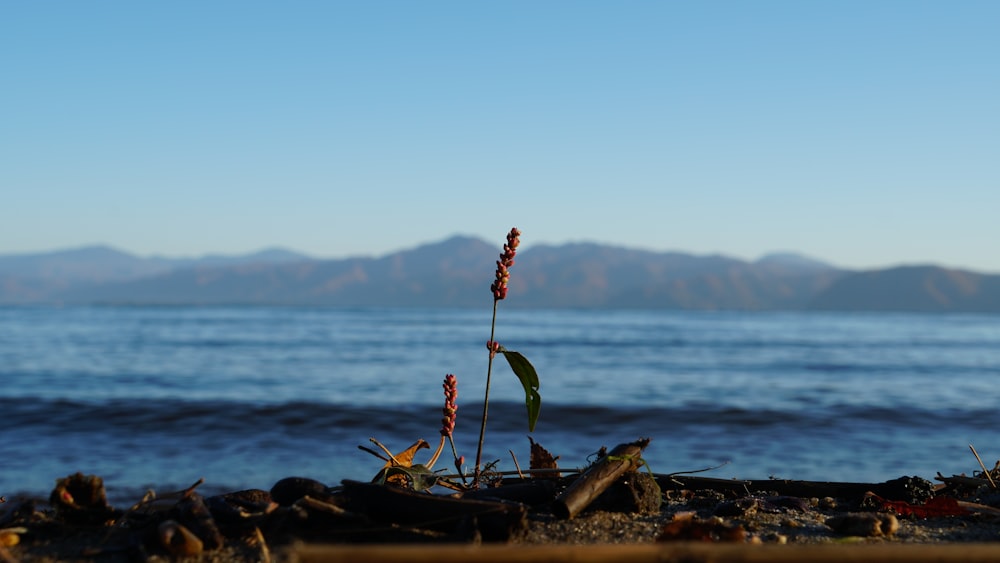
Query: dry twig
[[985, 471], [392, 458], [516, 464]]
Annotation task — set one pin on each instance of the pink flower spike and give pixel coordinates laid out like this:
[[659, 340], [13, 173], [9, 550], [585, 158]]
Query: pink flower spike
[[450, 409], [499, 287]]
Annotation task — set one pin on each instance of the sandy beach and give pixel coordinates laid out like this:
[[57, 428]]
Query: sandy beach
[[640, 516]]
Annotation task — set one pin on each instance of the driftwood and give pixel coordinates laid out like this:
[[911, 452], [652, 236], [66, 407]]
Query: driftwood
[[532, 492], [589, 485], [489, 520], [910, 489], [964, 481]]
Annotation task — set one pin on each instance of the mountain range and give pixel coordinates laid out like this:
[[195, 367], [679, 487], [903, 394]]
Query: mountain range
[[458, 271]]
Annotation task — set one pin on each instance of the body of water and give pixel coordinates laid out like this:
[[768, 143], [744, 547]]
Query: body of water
[[158, 397]]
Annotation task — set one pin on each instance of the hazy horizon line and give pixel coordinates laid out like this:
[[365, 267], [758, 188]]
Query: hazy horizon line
[[380, 254]]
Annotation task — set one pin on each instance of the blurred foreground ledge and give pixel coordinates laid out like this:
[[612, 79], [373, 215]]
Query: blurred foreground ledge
[[648, 553]]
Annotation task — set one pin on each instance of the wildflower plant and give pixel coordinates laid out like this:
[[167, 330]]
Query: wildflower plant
[[450, 414], [522, 368], [400, 468]]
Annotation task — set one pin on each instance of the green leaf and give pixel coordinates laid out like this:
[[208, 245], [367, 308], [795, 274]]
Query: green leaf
[[419, 477], [529, 379]]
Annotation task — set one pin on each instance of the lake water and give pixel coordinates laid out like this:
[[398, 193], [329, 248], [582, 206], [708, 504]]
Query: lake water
[[158, 397]]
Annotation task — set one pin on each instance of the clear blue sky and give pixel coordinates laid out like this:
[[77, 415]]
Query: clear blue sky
[[866, 133]]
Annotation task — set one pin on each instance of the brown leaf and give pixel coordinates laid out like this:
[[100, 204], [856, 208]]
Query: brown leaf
[[542, 459], [405, 457]]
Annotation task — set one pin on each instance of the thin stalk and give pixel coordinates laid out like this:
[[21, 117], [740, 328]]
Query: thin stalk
[[986, 472], [458, 465], [486, 399], [430, 463], [517, 465]]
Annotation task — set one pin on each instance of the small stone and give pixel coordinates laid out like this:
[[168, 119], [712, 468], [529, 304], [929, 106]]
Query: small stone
[[178, 540], [890, 524], [11, 536], [775, 537], [827, 503]]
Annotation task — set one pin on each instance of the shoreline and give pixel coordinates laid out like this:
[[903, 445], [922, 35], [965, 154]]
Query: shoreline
[[740, 520]]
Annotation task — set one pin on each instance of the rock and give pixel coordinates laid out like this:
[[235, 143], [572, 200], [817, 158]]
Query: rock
[[914, 490], [632, 492], [178, 540], [81, 499], [290, 489], [193, 513], [241, 508]]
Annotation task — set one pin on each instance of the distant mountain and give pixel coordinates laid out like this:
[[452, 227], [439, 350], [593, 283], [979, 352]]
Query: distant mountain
[[447, 273], [912, 288], [457, 272], [42, 276], [591, 275], [35, 277], [86, 264], [103, 263]]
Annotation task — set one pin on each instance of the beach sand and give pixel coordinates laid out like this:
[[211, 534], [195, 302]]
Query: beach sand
[[718, 520]]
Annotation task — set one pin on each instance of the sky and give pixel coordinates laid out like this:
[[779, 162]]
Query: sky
[[864, 133]]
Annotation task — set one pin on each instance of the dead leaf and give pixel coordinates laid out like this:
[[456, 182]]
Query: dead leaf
[[542, 459], [405, 457]]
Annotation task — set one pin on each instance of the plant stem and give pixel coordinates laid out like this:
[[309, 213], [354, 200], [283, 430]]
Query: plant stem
[[430, 463], [455, 453], [486, 399]]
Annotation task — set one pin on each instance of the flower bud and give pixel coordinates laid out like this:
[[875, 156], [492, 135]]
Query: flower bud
[[450, 410], [499, 287]]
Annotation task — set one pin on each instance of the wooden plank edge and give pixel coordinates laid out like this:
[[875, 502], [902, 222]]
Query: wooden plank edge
[[648, 553]]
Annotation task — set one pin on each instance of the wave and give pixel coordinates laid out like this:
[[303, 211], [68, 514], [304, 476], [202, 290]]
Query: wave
[[168, 443], [165, 416]]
